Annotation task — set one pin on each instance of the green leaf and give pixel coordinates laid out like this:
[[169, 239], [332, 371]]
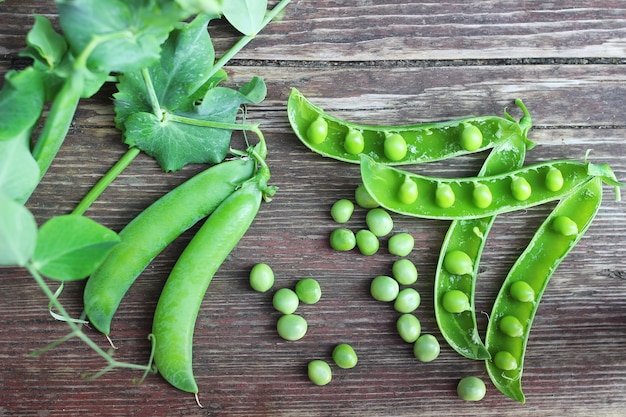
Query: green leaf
[[19, 172], [18, 233], [45, 45], [245, 15], [205, 6], [21, 102], [71, 247]]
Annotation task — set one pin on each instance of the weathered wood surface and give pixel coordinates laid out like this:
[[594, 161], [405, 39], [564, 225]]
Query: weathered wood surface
[[377, 62]]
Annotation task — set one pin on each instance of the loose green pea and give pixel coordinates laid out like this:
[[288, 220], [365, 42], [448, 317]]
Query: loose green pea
[[521, 291], [363, 198], [481, 196], [426, 348], [471, 138], [471, 388], [319, 372], [444, 195], [308, 290], [457, 262], [407, 301], [554, 179], [401, 244], [521, 189], [344, 356], [407, 193], [565, 226], [404, 271], [379, 221], [505, 361], [291, 327], [318, 130], [384, 288], [342, 239], [261, 277], [354, 142], [342, 210], [455, 301], [408, 327], [286, 301], [367, 242], [394, 146], [511, 326]]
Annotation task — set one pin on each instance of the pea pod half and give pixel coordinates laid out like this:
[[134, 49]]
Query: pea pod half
[[399, 145], [517, 302], [454, 198], [152, 230]]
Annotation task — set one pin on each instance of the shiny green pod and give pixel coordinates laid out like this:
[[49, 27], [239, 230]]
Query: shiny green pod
[[383, 182], [424, 142], [534, 267]]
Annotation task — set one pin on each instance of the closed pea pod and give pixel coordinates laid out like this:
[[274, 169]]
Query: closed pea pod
[[182, 295], [152, 230]]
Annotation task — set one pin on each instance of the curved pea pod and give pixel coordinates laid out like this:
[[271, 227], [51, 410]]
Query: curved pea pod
[[383, 182], [517, 302], [468, 236], [184, 290], [400, 145], [155, 228]]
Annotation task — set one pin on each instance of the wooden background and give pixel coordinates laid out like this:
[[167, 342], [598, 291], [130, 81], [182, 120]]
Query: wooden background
[[386, 62]]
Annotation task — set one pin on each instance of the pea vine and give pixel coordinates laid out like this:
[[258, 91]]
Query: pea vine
[[169, 105]]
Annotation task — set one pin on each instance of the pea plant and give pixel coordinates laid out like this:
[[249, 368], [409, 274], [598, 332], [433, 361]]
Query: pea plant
[[169, 105]]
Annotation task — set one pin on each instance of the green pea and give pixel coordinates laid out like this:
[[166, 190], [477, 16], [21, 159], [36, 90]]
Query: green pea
[[291, 327], [367, 242], [511, 326], [379, 221], [401, 244], [426, 348], [444, 195], [404, 271], [521, 189], [455, 301], [471, 388], [407, 301], [481, 196], [354, 143], [471, 138], [261, 277], [317, 131], [344, 356], [319, 372], [554, 179], [565, 226], [342, 210], [286, 301], [457, 262], [394, 146], [384, 288], [363, 198], [342, 239], [505, 360], [521, 291], [408, 327], [308, 290], [407, 193]]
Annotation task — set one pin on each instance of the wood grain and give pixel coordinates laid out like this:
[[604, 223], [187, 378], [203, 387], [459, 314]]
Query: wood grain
[[380, 62]]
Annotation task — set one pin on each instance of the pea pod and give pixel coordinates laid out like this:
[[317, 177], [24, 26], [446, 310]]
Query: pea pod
[[155, 228], [181, 297], [399, 145], [514, 309], [459, 329], [384, 182]]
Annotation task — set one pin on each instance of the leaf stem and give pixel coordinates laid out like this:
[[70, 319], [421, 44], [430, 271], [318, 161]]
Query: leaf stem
[[152, 96], [106, 180]]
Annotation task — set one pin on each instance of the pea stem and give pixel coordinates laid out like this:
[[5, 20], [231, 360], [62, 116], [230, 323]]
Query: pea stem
[[154, 100]]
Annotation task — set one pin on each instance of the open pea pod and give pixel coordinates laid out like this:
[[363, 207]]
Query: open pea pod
[[400, 145], [476, 197]]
